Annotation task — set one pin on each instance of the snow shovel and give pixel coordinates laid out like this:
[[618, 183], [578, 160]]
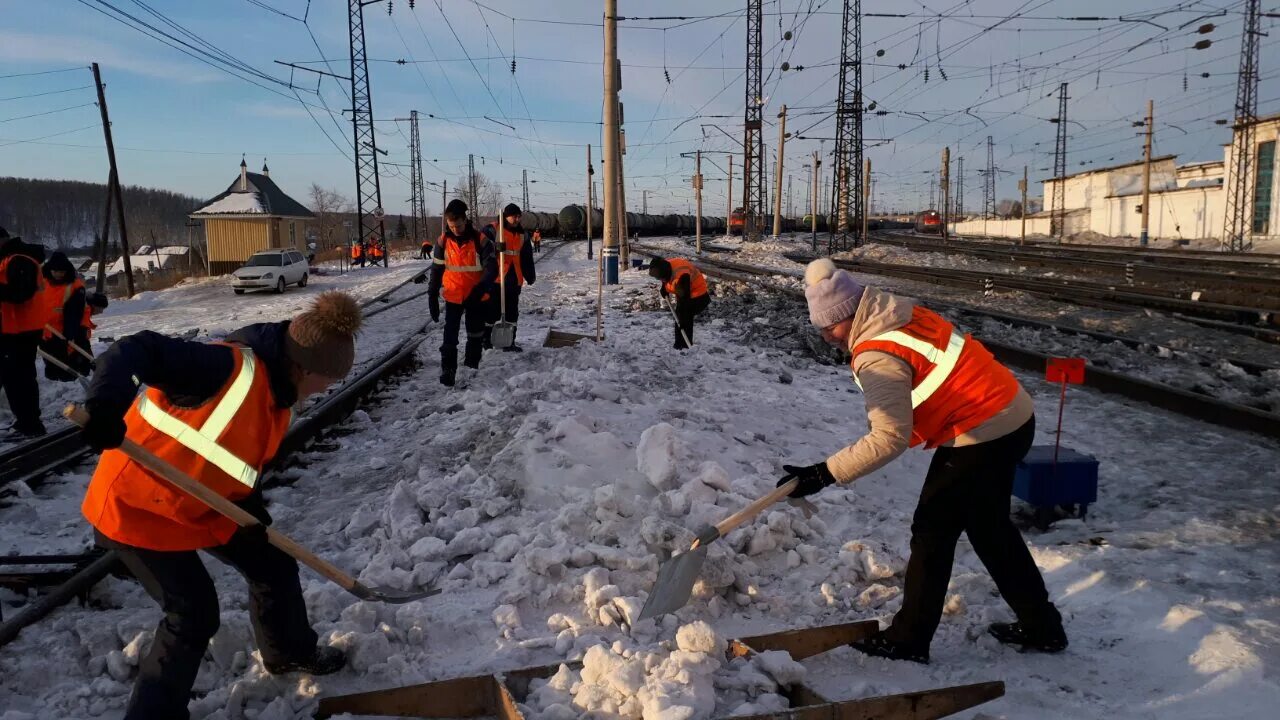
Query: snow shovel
[[503, 334], [683, 334], [84, 381], [677, 575], [225, 507]]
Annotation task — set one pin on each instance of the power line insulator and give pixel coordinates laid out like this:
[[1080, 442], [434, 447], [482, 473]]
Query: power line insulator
[[390, 4], [1202, 45], [1206, 28], [667, 73], [513, 66], [786, 66]]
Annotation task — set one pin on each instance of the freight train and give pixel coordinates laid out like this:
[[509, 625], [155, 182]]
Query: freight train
[[571, 223]]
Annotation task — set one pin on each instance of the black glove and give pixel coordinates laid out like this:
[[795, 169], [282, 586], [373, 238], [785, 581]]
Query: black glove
[[420, 278], [662, 290], [104, 431], [812, 478], [256, 506], [433, 302]]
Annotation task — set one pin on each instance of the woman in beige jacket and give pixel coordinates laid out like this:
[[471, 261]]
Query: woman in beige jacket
[[926, 383]]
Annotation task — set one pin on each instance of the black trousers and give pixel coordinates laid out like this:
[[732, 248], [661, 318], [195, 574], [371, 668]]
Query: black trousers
[[476, 315], [59, 350], [513, 304], [179, 582], [18, 374], [967, 490], [685, 312]]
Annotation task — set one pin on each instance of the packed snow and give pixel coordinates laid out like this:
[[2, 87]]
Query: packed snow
[[544, 490]]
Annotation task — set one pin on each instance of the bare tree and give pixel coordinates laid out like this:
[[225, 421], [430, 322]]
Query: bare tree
[[330, 209], [489, 198]]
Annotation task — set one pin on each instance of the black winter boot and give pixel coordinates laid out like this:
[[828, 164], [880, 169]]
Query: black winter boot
[[324, 661], [513, 347], [880, 646], [446, 376], [1050, 639]]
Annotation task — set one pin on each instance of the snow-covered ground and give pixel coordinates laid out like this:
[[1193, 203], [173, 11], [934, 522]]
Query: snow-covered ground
[[542, 492]]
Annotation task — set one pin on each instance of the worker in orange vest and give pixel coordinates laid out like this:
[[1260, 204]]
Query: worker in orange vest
[[357, 254], [927, 383], [426, 249], [217, 412], [375, 252], [65, 311], [517, 264], [22, 320], [685, 287], [464, 269], [537, 241]]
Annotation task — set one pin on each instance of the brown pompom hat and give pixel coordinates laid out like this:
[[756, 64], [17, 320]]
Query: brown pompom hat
[[322, 339]]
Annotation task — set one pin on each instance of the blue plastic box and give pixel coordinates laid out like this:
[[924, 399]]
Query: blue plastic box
[[1073, 482]]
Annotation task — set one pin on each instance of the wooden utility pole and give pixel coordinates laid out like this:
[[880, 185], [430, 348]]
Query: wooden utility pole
[[612, 153], [813, 201], [866, 196], [1022, 186], [1146, 175], [777, 192], [944, 189], [697, 192], [113, 184], [590, 172], [728, 214]]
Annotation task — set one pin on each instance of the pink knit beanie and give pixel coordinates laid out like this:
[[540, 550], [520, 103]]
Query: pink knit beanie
[[833, 295]]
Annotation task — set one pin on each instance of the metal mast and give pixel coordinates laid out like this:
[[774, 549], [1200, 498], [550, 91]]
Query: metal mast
[[846, 180], [418, 197], [1238, 232], [989, 183], [753, 143], [525, 179], [1060, 168], [368, 188], [960, 188]]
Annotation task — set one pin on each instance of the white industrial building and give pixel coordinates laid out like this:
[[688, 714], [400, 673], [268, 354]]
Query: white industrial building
[[1188, 202]]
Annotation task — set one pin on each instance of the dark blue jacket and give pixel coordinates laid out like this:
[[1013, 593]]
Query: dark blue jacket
[[189, 373]]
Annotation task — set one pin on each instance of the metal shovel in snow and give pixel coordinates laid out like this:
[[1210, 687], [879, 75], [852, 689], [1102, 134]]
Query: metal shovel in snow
[[503, 334], [243, 518], [677, 575], [671, 306]]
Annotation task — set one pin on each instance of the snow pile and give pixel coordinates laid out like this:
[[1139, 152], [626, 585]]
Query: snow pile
[[685, 680]]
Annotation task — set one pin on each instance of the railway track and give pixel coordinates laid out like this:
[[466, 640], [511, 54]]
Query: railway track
[[1151, 256], [34, 460], [1183, 401]]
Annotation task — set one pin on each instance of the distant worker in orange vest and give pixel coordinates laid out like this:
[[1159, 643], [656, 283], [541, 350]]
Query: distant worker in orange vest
[[685, 287], [22, 319], [537, 241], [927, 383], [375, 252], [464, 268], [426, 249], [65, 306], [517, 263], [216, 412], [357, 254]]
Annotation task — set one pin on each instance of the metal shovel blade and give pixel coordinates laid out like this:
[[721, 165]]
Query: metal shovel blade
[[503, 335], [675, 583], [389, 596]]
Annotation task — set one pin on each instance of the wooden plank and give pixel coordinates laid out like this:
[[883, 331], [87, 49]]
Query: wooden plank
[[505, 706], [458, 698], [812, 641], [924, 705]]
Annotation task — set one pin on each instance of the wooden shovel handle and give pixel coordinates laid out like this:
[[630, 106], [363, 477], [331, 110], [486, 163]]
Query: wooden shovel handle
[[729, 524], [74, 346], [223, 506]]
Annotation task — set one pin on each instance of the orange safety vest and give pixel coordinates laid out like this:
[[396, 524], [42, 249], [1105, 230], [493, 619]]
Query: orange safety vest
[[697, 283], [55, 297], [376, 252], [957, 384], [86, 321], [511, 244], [356, 252], [222, 443], [462, 268], [24, 316]]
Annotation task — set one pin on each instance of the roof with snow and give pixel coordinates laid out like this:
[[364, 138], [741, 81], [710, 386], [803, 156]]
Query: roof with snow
[[1109, 168], [263, 198]]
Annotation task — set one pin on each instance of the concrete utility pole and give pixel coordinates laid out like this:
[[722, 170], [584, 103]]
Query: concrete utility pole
[[1022, 186], [644, 202], [590, 183], [791, 209], [524, 177], [624, 225], [113, 188], [944, 189], [777, 191], [813, 202], [697, 192], [1146, 175], [612, 157], [866, 196], [471, 183]]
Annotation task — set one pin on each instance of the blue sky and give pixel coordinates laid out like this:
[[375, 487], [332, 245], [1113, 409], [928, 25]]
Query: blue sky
[[967, 71]]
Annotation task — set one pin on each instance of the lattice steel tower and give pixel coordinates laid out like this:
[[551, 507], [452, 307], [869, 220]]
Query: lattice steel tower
[[960, 188], [1237, 234], [846, 177], [989, 183], [418, 197], [368, 187], [753, 141], [1059, 219]]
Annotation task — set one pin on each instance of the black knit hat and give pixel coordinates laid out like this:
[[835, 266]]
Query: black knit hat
[[660, 269], [511, 209], [456, 209]]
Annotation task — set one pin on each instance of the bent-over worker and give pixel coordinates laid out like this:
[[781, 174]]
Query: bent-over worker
[[685, 287]]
